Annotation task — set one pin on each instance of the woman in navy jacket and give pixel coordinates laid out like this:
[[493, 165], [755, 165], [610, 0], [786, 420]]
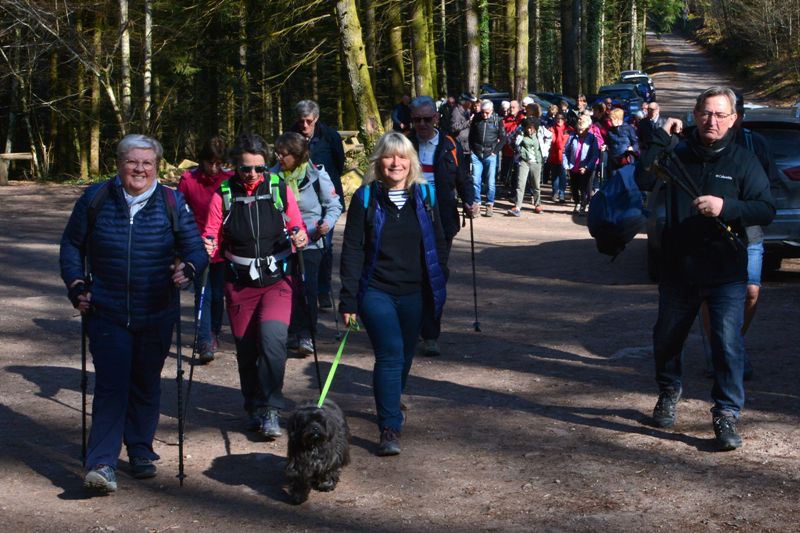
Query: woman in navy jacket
[[390, 270], [128, 231]]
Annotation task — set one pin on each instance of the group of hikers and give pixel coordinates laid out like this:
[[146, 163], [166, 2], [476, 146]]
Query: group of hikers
[[240, 236], [521, 145]]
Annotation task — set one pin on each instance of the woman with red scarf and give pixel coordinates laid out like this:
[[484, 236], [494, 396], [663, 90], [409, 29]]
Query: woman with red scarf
[[254, 224], [554, 167]]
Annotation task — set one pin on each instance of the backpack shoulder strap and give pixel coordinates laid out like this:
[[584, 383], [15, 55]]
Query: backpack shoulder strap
[[748, 139], [96, 203], [278, 189], [172, 208], [428, 194], [454, 149], [225, 192]]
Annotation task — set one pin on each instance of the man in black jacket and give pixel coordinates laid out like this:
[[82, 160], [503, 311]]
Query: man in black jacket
[[326, 149], [649, 124], [444, 166], [486, 137], [460, 120], [704, 251]]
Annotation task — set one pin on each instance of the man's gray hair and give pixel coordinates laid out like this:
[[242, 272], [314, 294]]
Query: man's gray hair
[[487, 104], [717, 90], [422, 101], [135, 141], [304, 108]]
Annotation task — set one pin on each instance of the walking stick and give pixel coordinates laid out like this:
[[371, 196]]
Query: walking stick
[[198, 318], [476, 324], [312, 327], [179, 380], [84, 380]]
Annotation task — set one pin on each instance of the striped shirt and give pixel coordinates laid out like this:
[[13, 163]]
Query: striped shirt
[[398, 197], [426, 151]]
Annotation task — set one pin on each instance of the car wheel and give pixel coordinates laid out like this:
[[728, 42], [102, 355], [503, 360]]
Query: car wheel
[[653, 265]]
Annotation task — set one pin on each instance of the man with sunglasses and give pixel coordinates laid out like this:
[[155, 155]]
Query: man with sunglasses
[[443, 165], [325, 148], [704, 250]]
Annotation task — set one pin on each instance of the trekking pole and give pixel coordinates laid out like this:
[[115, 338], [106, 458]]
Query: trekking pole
[[198, 318], [476, 324], [179, 380], [312, 327], [690, 187], [84, 380]]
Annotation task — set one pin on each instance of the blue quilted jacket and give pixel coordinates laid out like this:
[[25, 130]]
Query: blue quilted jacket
[[130, 258]]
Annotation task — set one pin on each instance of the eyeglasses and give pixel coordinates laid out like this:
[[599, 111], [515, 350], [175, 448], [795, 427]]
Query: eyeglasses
[[426, 120], [706, 115], [245, 169], [146, 165], [283, 155]]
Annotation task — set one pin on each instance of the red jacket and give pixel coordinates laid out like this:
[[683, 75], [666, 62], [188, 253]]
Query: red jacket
[[560, 137], [510, 124], [198, 189]]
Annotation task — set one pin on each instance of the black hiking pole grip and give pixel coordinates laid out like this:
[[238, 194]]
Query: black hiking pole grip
[[476, 324], [312, 327], [179, 380], [84, 380]]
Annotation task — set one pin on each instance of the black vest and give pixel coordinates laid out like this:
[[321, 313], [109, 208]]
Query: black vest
[[255, 230]]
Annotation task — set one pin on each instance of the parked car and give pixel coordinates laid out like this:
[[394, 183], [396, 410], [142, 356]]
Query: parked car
[[626, 93], [637, 77], [781, 128]]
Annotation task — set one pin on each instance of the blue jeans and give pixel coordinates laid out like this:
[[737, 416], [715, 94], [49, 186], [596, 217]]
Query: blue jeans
[[127, 389], [488, 163], [677, 308], [558, 177], [213, 302], [393, 325]]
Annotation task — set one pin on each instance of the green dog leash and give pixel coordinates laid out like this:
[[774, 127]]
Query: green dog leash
[[351, 326]]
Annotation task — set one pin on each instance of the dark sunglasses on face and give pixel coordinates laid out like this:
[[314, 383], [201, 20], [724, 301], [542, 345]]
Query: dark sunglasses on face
[[244, 169], [426, 120]]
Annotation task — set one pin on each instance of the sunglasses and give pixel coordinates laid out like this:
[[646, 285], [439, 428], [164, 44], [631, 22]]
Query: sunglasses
[[244, 169], [426, 120]]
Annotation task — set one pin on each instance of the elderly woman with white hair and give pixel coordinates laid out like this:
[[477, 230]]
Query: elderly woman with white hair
[[118, 261], [391, 271]]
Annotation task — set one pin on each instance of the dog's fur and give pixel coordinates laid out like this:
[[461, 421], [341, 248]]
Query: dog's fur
[[319, 446]]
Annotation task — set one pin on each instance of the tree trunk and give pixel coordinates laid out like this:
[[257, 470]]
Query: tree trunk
[[569, 42], [244, 78], [94, 105], [370, 38], [396, 66], [473, 46], [443, 50], [125, 60], [521, 69], [369, 120], [431, 41], [148, 65], [485, 37], [79, 136], [423, 76], [601, 42], [634, 36], [511, 33], [535, 44]]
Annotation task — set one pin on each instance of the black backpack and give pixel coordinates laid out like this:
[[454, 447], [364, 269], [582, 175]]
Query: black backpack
[[615, 212]]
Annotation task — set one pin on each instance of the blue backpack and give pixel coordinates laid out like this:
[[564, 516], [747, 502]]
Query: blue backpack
[[615, 212]]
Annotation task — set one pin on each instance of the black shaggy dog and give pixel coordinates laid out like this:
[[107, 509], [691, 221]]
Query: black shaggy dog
[[319, 446]]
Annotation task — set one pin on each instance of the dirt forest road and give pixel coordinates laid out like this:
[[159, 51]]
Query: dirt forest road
[[540, 422], [681, 69]]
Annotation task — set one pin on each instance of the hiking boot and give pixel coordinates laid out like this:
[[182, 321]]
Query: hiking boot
[[142, 467], [305, 347], [269, 424], [489, 210], [725, 431], [390, 442], [664, 412], [514, 212], [205, 354], [430, 348], [254, 422], [325, 301], [101, 478], [537, 209]]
